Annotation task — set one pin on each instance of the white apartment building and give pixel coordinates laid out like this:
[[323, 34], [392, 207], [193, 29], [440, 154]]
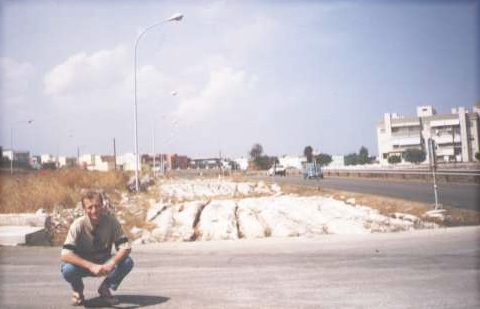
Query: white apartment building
[[456, 135]]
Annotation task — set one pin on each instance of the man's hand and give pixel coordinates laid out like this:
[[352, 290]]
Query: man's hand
[[97, 269], [109, 266]]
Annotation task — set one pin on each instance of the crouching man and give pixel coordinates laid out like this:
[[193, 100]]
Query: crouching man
[[87, 250]]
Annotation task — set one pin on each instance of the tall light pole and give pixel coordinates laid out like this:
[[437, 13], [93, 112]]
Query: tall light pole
[[175, 17], [11, 141], [173, 93]]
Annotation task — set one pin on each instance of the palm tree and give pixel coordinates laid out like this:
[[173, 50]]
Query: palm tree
[[308, 152]]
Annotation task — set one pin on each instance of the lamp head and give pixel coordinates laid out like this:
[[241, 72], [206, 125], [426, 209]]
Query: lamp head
[[176, 17]]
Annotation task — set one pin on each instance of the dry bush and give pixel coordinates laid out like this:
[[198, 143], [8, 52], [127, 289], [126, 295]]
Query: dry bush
[[48, 189]]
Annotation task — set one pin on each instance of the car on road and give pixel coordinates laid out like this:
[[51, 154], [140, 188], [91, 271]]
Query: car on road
[[277, 169], [312, 170]]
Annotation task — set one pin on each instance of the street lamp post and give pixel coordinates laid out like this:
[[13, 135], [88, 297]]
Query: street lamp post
[[11, 141], [175, 17], [174, 93], [153, 145]]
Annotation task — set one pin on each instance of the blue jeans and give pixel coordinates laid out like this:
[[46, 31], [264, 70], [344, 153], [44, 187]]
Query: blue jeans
[[74, 274]]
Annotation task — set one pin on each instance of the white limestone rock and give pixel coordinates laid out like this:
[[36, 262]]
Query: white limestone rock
[[218, 221], [248, 223]]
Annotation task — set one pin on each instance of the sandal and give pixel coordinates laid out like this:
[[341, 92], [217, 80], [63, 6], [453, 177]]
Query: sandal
[[106, 295], [77, 299]]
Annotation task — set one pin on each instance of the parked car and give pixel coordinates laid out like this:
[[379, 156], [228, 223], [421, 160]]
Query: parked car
[[277, 169], [312, 170]]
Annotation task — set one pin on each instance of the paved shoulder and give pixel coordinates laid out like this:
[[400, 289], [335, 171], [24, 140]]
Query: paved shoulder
[[418, 269]]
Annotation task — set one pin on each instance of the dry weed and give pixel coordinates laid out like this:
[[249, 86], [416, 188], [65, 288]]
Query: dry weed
[[21, 193]]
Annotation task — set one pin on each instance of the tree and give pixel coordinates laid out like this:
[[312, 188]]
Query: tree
[[414, 155], [256, 151], [308, 152], [323, 159], [394, 159], [351, 159], [477, 156], [264, 162], [363, 157]]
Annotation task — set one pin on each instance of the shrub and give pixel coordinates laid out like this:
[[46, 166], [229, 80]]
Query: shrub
[[394, 159], [414, 155]]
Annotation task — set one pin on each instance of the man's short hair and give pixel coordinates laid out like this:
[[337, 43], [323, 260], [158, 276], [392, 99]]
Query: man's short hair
[[91, 195]]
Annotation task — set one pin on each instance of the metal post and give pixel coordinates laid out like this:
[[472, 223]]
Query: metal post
[[11, 141], [153, 144], [11, 149], [114, 155], [433, 165]]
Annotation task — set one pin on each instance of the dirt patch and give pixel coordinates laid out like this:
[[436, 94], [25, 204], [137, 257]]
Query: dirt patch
[[388, 206]]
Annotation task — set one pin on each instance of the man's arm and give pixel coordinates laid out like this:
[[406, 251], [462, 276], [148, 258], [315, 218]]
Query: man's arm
[[117, 258], [122, 245]]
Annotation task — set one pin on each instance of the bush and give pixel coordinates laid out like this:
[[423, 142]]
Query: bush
[[394, 159], [323, 159], [414, 155], [351, 159], [477, 156]]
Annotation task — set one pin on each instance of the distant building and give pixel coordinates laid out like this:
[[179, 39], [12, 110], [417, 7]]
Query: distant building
[[178, 162], [35, 162], [126, 162], [242, 163], [94, 162], [337, 161], [22, 157], [290, 161], [209, 163], [66, 162], [456, 135], [8, 154]]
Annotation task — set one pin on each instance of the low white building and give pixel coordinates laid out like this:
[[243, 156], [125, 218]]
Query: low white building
[[337, 161], [292, 161], [242, 163], [66, 161], [47, 158], [127, 162], [94, 162], [456, 135]]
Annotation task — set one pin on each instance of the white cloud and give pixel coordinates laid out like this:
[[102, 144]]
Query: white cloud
[[151, 83], [16, 79], [224, 88], [83, 74]]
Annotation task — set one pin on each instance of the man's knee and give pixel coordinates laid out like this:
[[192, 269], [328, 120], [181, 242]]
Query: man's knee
[[70, 271], [127, 264]]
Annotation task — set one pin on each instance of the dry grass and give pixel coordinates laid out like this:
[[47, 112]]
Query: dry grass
[[49, 189]]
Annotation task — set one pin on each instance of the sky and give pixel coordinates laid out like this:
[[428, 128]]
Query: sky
[[230, 74]]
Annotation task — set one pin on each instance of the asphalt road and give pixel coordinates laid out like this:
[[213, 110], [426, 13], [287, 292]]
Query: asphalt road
[[420, 269], [451, 195]]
